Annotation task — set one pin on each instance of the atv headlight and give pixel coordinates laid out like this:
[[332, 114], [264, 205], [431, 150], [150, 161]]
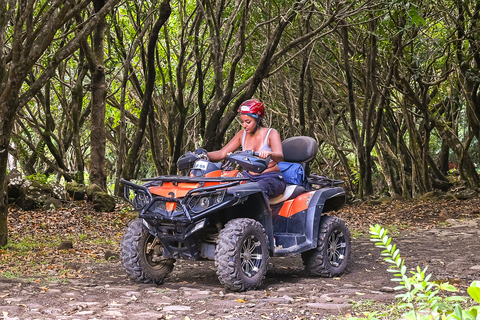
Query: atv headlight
[[204, 201]]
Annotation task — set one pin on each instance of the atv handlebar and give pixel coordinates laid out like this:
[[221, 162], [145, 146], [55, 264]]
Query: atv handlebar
[[249, 160]]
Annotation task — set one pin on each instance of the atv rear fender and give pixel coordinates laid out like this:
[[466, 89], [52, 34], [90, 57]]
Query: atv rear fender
[[298, 232]]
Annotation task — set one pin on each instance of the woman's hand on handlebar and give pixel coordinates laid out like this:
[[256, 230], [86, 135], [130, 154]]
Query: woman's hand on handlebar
[[264, 154]]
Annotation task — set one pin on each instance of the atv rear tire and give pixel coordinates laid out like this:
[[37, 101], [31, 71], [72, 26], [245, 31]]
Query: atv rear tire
[[137, 255], [331, 256], [241, 255]]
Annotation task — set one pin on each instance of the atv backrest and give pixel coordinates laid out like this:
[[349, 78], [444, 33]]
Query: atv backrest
[[299, 149]]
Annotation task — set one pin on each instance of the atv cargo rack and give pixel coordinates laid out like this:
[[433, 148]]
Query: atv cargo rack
[[324, 181]]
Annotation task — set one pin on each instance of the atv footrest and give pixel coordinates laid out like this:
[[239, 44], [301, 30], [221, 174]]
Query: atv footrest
[[287, 243]]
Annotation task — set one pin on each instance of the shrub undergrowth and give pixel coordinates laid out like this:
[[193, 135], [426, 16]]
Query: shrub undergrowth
[[420, 298]]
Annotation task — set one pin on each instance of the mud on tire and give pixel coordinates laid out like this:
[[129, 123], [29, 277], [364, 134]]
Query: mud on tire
[[241, 255], [137, 253], [331, 256]]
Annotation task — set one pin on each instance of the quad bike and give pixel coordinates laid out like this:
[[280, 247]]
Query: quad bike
[[213, 212]]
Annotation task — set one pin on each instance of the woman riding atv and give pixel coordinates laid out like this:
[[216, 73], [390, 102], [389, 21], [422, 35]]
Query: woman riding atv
[[266, 141]]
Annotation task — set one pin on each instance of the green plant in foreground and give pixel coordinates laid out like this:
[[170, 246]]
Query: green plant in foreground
[[421, 299]]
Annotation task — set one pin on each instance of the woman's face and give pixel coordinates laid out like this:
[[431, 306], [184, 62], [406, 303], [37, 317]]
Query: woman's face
[[248, 123]]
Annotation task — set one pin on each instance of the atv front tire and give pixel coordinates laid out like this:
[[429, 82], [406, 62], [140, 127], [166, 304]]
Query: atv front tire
[[137, 253], [241, 255], [331, 256]]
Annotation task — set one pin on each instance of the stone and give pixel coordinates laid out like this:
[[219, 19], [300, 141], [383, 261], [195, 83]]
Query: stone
[[33, 194], [58, 191], [176, 308], [465, 194], [52, 204], [91, 190], [14, 182], [328, 306], [65, 245], [109, 255], [76, 191], [103, 202]]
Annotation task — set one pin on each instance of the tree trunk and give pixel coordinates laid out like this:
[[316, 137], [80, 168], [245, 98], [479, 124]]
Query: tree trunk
[[129, 168], [7, 114], [98, 175]]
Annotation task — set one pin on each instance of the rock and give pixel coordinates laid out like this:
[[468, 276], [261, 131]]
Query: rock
[[443, 216], [58, 191], [14, 182], [33, 194], [109, 255], [103, 202], [328, 306], [91, 190], [465, 194], [52, 204], [71, 265], [65, 245], [77, 192], [176, 308]]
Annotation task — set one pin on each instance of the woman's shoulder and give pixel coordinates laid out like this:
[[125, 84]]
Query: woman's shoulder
[[272, 131]]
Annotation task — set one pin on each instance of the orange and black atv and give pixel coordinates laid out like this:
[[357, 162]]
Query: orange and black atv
[[213, 212]]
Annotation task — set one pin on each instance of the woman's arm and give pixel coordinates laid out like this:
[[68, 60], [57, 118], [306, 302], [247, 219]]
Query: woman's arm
[[231, 146], [275, 143]]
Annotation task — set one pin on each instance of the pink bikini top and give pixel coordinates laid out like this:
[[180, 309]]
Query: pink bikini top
[[265, 146]]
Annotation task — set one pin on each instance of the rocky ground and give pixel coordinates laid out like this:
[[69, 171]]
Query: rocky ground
[[443, 235]]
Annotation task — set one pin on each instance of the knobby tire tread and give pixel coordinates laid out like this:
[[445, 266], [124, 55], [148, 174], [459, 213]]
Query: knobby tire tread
[[228, 247], [133, 262], [316, 260]]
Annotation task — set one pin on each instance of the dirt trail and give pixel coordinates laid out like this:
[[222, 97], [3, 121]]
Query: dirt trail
[[193, 292]]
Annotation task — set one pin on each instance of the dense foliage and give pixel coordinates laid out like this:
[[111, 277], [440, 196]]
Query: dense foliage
[[390, 90]]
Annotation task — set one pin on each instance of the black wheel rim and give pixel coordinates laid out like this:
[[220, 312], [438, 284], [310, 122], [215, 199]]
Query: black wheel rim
[[251, 256], [337, 245]]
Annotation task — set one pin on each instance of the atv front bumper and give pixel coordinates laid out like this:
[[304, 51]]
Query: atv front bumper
[[175, 221]]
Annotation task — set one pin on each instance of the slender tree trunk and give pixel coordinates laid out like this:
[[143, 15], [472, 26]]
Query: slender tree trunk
[[6, 126], [129, 168], [76, 110], [354, 132], [98, 174]]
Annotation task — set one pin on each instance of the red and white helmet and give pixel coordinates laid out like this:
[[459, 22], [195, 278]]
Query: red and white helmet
[[252, 107]]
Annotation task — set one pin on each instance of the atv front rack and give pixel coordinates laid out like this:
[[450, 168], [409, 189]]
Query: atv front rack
[[150, 182], [140, 197]]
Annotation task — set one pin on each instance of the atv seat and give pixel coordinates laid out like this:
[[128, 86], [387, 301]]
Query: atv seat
[[291, 192], [300, 150]]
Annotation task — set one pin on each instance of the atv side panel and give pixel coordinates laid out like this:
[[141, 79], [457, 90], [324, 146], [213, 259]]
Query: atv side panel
[[297, 231]]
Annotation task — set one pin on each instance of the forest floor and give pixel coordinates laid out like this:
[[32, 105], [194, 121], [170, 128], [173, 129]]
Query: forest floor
[[40, 281]]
